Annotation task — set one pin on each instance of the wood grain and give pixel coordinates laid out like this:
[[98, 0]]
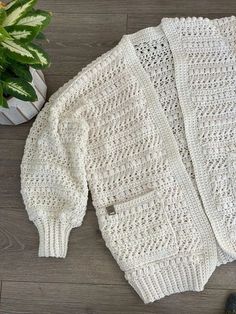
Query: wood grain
[[85, 37], [84, 298], [179, 7], [88, 280]]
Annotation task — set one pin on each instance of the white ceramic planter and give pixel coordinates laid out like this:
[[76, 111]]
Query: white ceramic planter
[[22, 111]]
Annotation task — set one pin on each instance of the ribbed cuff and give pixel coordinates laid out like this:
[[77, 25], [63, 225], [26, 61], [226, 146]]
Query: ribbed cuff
[[53, 237]]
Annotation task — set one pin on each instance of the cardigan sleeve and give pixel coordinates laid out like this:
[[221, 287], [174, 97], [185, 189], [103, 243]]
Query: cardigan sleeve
[[53, 176]]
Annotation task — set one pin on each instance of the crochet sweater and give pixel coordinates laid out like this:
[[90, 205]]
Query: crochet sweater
[[149, 128]]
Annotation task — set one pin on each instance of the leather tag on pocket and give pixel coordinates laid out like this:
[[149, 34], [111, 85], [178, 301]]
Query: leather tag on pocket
[[111, 210]]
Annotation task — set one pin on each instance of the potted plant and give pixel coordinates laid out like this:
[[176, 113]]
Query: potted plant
[[22, 84]]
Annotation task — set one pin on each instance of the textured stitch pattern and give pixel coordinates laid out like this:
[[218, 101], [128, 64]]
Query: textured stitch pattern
[[156, 58], [211, 82], [125, 160], [149, 129]]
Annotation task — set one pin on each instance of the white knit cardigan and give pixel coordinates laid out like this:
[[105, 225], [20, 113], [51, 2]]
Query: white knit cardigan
[[149, 128]]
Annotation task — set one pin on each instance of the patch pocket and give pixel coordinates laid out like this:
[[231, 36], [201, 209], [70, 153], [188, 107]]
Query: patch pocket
[[138, 231]]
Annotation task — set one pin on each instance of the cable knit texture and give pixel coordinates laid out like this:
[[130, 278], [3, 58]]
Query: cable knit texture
[[149, 128]]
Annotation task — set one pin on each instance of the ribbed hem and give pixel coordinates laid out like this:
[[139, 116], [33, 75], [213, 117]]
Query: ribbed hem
[[53, 237], [153, 282]]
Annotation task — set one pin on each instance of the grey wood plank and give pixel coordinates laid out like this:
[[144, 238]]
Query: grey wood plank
[[179, 7], [11, 149], [10, 158], [78, 39], [136, 22], [16, 132], [83, 298], [223, 277]]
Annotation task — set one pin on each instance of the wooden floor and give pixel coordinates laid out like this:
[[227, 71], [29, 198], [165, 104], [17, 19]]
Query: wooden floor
[[88, 280]]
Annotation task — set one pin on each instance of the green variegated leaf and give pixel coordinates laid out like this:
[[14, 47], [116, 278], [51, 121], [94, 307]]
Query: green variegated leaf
[[20, 52], [10, 4], [21, 70], [42, 56], [41, 36], [2, 56], [20, 89], [17, 11], [22, 33], [13, 5], [3, 102], [2, 15], [4, 34], [2, 67], [37, 18], [3, 61]]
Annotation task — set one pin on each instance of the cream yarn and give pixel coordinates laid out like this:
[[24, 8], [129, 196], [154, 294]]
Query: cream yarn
[[149, 128]]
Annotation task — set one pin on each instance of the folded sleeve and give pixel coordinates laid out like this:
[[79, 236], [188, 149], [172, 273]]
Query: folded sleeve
[[53, 171]]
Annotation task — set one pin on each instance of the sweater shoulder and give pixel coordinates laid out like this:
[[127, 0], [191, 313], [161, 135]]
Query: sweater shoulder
[[70, 103]]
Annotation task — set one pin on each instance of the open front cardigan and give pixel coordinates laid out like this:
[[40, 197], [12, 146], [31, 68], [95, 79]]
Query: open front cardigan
[[149, 128]]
